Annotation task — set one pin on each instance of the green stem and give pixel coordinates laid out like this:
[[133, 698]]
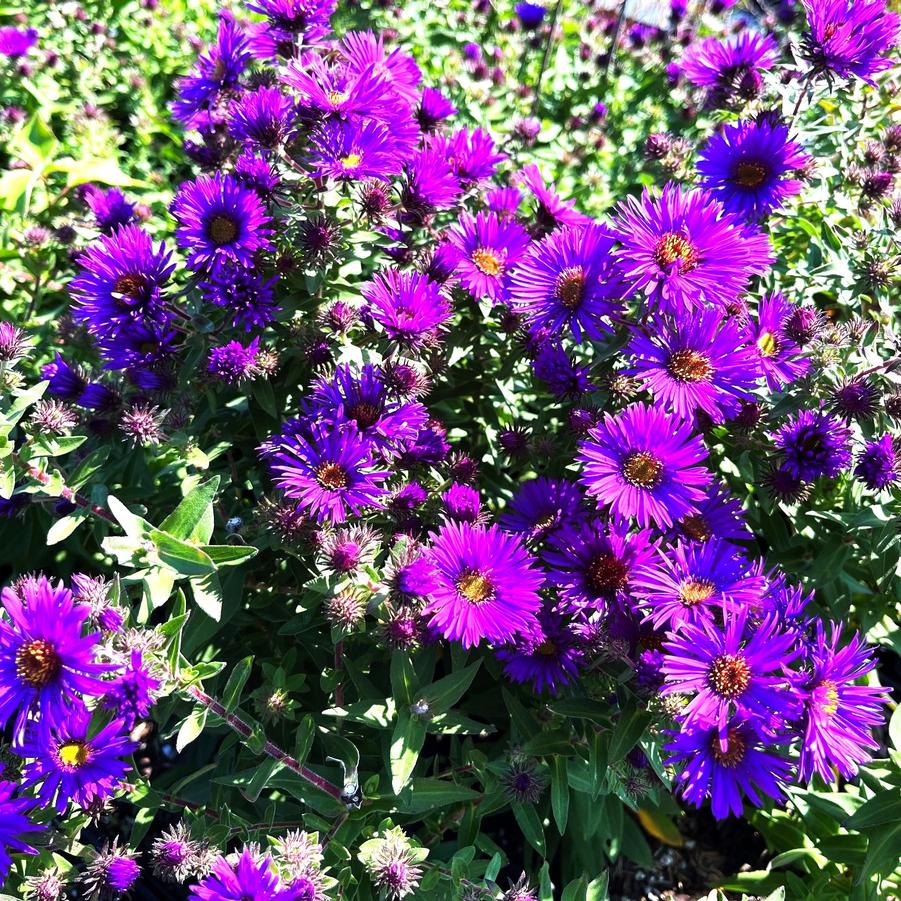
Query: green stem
[[545, 59]]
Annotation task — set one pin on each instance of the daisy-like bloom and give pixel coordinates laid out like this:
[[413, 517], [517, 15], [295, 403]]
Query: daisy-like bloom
[[486, 585], [878, 465], [730, 666], [409, 306], [504, 201], [330, 90], [143, 425], [112, 873], [45, 661], [220, 220], [745, 763], [362, 399], [472, 155], [433, 109], [566, 282], [255, 171], [233, 362], [781, 360], [732, 65], [552, 211], [66, 382], [14, 826], [683, 249], [696, 364], [110, 208], [346, 550], [120, 280], [548, 658], [838, 716], [591, 564], [15, 42], [70, 764], [720, 515], [250, 879], [366, 55], [357, 149], [463, 503], [429, 185], [542, 506], [488, 249], [850, 37], [749, 166], [855, 398], [131, 694], [814, 444], [645, 465], [330, 472], [565, 378], [263, 117], [245, 294], [686, 583]]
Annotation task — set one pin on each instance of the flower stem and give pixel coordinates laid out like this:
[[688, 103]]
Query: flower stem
[[548, 45]]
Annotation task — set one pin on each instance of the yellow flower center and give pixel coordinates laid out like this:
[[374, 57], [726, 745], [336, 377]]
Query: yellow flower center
[[768, 344], [729, 675], [643, 470], [689, 366], [351, 161], [674, 248], [695, 591], [331, 476], [487, 261], [74, 753], [475, 586]]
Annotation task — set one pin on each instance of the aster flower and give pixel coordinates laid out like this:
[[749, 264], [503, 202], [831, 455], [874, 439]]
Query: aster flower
[[530, 14], [45, 661], [110, 208], [732, 65], [131, 694], [175, 854], [263, 117], [552, 211], [504, 201], [112, 873], [682, 249], [71, 764], [523, 781], [855, 398], [433, 109], [838, 716], [409, 306], [472, 155], [689, 582], [720, 514], [730, 667], [645, 465], [696, 364], [542, 506], [16, 42], [351, 149], [15, 826], [565, 378], [233, 362], [463, 503], [66, 382], [220, 220], [255, 171], [429, 185], [748, 166], [393, 863], [813, 444], [365, 52], [120, 280], [549, 658], [488, 249], [14, 343], [326, 89], [347, 550], [878, 465], [486, 585], [330, 472], [591, 564], [744, 763], [850, 38], [566, 282], [780, 357], [250, 879], [245, 294]]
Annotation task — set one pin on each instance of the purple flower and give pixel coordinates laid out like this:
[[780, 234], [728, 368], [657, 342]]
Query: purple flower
[[131, 694], [330, 471], [220, 220], [838, 715], [430, 185], [472, 154], [486, 585], [365, 53], [682, 249], [877, 466], [433, 109], [686, 583], [263, 117], [722, 769], [66, 382], [244, 294], [814, 444], [503, 201], [112, 873], [748, 167], [488, 249], [730, 65], [233, 362], [720, 514], [409, 307], [337, 90], [110, 208], [463, 503], [15, 43], [644, 465], [14, 826], [250, 879], [45, 660], [730, 667], [255, 171], [530, 14], [549, 658], [542, 506], [850, 37], [779, 356], [566, 282], [696, 364], [565, 378], [351, 149], [552, 210], [71, 764]]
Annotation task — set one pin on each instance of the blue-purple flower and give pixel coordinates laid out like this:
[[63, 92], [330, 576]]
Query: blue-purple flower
[[263, 117], [15, 826], [548, 658], [780, 358], [252, 878], [542, 506], [409, 307], [878, 465], [814, 443]]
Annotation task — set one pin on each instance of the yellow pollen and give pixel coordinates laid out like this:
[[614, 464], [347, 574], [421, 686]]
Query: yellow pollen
[[570, 287], [689, 366], [673, 248], [222, 230], [827, 697], [74, 753], [643, 470], [336, 98], [475, 586], [695, 591], [487, 261], [768, 344], [351, 161], [735, 749], [331, 476], [729, 676]]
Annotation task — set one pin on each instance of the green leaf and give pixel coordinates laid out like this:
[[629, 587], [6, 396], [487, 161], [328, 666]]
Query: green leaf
[[23, 401], [190, 729], [229, 554], [404, 683], [207, 592], [186, 559], [575, 891], [884, 808], [34, 142], [82, 171], [192, 519], [406, 743], [63, 528], [424, 795], [559, 793], [597, 889], [231, 694], [883, 853], [50, 446], [894, 729], [628, 730], [530, 824], [133, 525], [443, 694], [158, 584]]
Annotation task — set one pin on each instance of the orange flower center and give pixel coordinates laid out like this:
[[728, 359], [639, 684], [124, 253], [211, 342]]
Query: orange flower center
[[130, 285], [37, 663], [695, 591], [689, 366], [696, 527], [735, 749], [364, 414], [642, 469], [331, 476], [729, 675], [487, 261], [475, 586], [674, 248]]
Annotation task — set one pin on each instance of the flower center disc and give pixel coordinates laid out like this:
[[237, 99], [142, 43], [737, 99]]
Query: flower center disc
[[768, 344], [735, 749], [749, 174], [642, 469], [570, 288], [695, 591], [696, 527], [74, 753], [222, 230], [487, 261], [826, 697], [607, 573], [365, 415], [547, 648], [673, 248], [130, 285], [475, 586], [331, 475], [729, 675], [351, 161], [689, 366], [37, 663]]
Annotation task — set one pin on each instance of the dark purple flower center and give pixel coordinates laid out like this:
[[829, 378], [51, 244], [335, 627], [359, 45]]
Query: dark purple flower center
[[475, 586], [695, 591], [38, 663], [570, 287], [689, 366], [222, 229], [750, 174], [735, 749], [547, 648], [364, 414], [130, 285], [696, 527], [607, 573], [674, 248], [729, 675], [331, 476], [488, 262], [642, 469]]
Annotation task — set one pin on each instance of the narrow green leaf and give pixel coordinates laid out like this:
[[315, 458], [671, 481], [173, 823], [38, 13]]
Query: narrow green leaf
[[63, 528], [186, 559], [404, 683], [443, 694], [629, 728], [207, 592], [192, 519], [231, 694], [530, 824], [559, 793], [229, 554], [190, 729], [406, 743]]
